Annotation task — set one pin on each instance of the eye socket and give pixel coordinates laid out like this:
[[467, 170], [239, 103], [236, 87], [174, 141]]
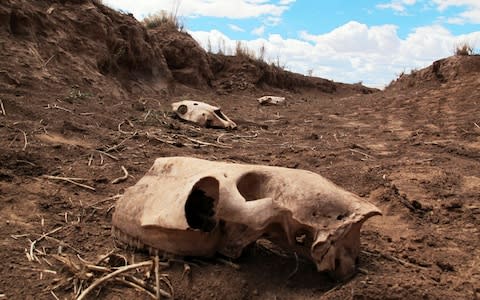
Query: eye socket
[[182, 109]]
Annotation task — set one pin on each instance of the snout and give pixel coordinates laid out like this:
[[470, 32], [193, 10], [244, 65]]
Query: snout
[[339, 258]]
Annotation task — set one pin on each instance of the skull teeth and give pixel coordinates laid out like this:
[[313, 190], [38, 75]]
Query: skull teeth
[[124, 239]]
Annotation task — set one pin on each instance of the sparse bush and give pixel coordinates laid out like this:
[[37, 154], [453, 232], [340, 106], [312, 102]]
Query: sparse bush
[[221, 48], [163, 18], [261, 55], [209, 46], [243, 51], [464, 49]]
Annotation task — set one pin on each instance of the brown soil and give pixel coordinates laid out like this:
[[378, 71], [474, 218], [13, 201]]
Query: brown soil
[[86, 90]]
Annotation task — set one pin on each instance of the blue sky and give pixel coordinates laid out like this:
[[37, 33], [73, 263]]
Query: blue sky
[[346, 41]]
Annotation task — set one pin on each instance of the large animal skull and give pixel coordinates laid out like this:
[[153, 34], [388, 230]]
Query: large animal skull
[[195, 207], [202, 114], [271, 100]]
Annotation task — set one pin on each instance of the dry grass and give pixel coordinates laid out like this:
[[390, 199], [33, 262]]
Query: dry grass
[[163, 19], [464, 49], [243, 51]]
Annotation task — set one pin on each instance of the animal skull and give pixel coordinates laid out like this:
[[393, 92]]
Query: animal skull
[[271, 100], [195, 207], [202, 114]]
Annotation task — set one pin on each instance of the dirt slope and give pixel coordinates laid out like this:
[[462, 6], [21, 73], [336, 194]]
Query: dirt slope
[[86, 90]]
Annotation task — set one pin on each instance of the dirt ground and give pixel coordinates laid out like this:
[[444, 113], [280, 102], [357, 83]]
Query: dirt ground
[[413, 150]]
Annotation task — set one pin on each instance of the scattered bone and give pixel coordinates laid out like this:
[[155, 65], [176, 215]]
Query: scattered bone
[[202, 114], [271, 100], [194, 207], [123, 178]]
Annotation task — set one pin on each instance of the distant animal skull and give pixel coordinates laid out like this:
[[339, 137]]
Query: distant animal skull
[[202, 114], [195, 207], [271, 100]]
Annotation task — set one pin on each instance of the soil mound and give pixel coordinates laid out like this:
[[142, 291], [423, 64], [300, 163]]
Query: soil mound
[[83, 42], [452, 70], [185, 58], [75, 42]]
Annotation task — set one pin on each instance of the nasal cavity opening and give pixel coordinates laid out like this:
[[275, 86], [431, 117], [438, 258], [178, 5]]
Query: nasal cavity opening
[[201, 203], [253, 186], [219, 114]]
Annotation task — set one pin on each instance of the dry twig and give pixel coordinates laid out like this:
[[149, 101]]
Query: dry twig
[[70, 180], [296, 266], [125, 132], [54, 296], [106, 154], [362, 153], [103, 200], [55, 106], [25, 141], [48, 60], [205, 143], [136, 286], [123, 178], [112, 275], [228, 263], [32, 244], [392, 258], [115, 147], [3, 108], [157, 277]]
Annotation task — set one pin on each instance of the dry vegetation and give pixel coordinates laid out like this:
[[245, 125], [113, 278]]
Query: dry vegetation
[[163, 19], [464, 49]]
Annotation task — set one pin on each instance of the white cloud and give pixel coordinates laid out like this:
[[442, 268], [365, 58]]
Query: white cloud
[[259, 30], [397, 5], [353, 52], [286, 2], [232, 9], [471, 14], [236, 28]]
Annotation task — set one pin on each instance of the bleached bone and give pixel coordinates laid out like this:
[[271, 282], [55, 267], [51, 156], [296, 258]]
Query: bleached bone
[[202, 114], [272, 100], [195, 207]]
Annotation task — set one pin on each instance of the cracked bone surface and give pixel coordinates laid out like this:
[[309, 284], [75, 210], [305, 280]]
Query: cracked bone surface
[[196, 207], [202, 114]]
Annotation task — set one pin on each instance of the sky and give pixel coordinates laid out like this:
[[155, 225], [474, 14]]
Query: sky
[[346, 41]]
